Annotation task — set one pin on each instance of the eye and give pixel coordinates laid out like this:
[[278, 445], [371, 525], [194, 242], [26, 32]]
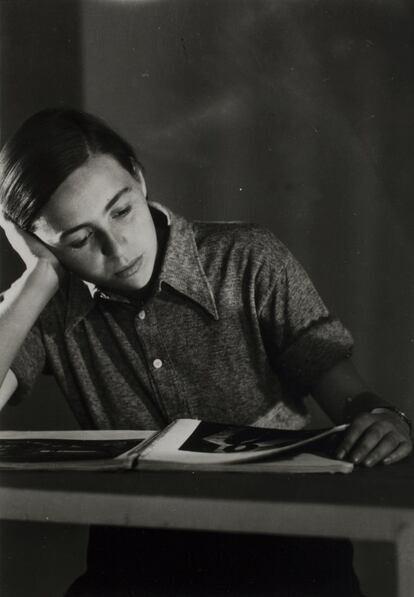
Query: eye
[[78, 244], [120, 213]]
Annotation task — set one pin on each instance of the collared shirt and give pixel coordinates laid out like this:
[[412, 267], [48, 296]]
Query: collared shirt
[[234, 332]]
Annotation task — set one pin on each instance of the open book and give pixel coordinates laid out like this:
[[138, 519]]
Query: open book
[[186, 444]]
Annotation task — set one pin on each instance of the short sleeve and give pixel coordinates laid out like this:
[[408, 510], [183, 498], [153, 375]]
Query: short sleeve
[[302, 339], [29, 362]]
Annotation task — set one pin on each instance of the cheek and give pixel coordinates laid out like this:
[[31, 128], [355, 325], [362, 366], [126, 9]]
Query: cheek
[[142, 233], [150, 240], [77, 263]]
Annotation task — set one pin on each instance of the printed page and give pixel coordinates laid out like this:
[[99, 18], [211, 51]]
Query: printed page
[[194, 441], [37, 450]]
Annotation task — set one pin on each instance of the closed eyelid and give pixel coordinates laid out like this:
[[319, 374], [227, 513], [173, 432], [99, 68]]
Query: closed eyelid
[[68, 238], [75, 241], [110, 205], [117, 198], [121, 208]]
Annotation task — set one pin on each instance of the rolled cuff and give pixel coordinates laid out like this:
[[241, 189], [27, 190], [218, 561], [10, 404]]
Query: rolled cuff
[[314, 352]]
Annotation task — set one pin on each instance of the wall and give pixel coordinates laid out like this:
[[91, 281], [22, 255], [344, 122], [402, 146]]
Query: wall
[[292, 114], [295, 114]]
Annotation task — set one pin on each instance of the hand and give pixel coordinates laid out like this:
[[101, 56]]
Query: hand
[[30, 248], [374, 438]]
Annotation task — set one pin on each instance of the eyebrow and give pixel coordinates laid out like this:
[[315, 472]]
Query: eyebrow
[[108, 207]]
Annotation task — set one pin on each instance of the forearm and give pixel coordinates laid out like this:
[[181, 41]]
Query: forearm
[[376, 433], [343, 394], [20, 308], [337, 388]]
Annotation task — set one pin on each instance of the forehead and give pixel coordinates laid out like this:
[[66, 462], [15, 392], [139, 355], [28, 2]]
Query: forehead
[[84, 193]]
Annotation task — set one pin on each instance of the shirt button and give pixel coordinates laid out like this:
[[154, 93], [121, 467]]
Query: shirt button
[[141, 314], [157, 363]]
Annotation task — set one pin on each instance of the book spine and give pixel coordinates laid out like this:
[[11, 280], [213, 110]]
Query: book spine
[[135, 456]]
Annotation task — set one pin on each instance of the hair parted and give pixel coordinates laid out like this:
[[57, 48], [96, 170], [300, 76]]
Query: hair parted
[[45, 150]]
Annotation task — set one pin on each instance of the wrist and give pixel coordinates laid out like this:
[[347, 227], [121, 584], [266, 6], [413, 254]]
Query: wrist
[[50, 273], [369, 402], [30, 292], [396, 412], [40, 282], [363, 402]]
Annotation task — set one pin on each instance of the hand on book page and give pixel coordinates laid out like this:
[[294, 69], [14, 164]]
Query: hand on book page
[[204, 445], [184, 444]]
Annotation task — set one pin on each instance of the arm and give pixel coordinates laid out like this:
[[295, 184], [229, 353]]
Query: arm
[[310, 352], [372, 437], [8, 387], [22, 304]]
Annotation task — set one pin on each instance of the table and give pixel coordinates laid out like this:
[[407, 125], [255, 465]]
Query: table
[[369, 504]]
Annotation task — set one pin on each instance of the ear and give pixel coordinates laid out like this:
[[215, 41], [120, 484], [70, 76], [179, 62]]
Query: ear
[[140, 178]]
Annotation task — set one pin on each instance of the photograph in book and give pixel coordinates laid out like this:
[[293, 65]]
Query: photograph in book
[[218, 438], [182, 445], [200, 444]]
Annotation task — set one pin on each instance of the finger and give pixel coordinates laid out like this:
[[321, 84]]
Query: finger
[[399, 453], [371, 438], [11, 230], [6, 222], [386, 446], [7, 225], [354, 432]]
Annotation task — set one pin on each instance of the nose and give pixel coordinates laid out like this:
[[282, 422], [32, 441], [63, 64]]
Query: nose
[[112, 245]]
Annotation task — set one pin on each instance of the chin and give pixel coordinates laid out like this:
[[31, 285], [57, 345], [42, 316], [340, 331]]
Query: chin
[[138, 283]]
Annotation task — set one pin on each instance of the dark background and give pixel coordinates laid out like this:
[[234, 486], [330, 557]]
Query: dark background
[[295, 114]]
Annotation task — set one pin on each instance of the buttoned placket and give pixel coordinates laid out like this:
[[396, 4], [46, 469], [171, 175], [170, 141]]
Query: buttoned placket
[[159, 365]]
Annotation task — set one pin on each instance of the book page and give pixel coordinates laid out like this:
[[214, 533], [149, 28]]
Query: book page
[[194, 441], [63, 449]]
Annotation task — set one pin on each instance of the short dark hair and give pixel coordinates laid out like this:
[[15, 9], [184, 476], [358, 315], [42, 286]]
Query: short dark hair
[[42, 153]]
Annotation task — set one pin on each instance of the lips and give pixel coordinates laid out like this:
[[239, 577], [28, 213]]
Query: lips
[[130, 269]]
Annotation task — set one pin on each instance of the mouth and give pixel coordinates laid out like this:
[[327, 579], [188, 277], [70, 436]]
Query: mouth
[[130, 269]]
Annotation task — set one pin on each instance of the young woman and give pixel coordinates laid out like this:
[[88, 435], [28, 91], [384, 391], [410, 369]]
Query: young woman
[[144, 317]]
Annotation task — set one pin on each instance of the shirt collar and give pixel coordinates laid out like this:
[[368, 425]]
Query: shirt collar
[[181, 270]]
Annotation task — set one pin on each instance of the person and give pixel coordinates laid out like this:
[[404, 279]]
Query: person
[[144, 317]]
